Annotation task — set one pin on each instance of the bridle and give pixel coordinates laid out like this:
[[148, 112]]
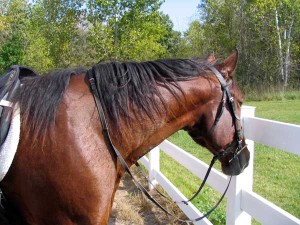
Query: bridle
[[234, 148]]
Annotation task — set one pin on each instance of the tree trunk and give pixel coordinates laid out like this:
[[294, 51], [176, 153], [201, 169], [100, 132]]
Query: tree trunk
[[242, 39], [280, 55], [287, 54], [116, 27]]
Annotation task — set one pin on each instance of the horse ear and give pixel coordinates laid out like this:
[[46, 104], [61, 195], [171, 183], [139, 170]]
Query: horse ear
[[211, 59], [227, 67]]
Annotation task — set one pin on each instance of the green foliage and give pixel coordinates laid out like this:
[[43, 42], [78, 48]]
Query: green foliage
[[11, 53], [193, 43], [142, 40], [45, 34], [269, 51], [56, 23], [271, 94], [132, 30], [66, 33], [13, 16], [37, 53]]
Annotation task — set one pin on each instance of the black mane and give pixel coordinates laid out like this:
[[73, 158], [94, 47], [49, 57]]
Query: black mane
[[122, 85], [127, 85], [40, 97]]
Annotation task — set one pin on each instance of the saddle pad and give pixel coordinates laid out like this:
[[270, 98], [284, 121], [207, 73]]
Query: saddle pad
[[10, 145]]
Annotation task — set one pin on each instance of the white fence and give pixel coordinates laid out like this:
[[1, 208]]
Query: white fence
[[242, 202]]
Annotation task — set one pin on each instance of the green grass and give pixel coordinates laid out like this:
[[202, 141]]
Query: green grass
[[273, 94], [285, 111], [276, 173], [187, 183]]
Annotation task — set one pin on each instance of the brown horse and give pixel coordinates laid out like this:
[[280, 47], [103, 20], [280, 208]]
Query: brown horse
[[64, 173]]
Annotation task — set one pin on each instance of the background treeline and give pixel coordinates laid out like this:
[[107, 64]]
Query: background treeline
[[46, 34]]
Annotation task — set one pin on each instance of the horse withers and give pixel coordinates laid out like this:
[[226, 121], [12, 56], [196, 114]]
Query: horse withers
[[65, 173]]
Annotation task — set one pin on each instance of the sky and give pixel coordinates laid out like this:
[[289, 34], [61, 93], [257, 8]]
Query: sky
[[181, 12]]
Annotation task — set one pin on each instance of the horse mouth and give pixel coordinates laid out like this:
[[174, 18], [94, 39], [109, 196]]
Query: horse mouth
[[236, 165]]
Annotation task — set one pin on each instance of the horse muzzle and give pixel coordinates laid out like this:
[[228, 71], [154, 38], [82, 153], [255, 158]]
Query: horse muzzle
[[234, 159]]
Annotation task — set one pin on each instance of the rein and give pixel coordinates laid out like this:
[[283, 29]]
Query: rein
[[229, 150]]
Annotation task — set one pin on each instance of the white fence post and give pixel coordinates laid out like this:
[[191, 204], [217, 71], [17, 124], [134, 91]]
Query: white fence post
[[235, 215], [154, 165]]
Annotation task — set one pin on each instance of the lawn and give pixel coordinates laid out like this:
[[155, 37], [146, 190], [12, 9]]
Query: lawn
[[276, 173], [284, 111]]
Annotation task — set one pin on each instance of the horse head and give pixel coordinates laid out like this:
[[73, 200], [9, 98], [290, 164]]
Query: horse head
[[219, 127]]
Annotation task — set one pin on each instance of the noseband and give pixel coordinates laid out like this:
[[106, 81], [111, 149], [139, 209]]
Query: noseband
[[234, 148]]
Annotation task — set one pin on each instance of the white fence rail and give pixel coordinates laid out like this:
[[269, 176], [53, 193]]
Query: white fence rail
[[242, 202]]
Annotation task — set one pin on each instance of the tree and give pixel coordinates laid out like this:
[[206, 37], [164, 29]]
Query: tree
[[57, 24], [265, 33], [130, 30], [63, 33], [194, 41], [11, 52], [285, 15], [13, 16]]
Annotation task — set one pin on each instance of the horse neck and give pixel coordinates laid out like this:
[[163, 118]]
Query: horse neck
[[134, 143]]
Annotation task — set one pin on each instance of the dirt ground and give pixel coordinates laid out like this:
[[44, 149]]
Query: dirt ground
[[132, 208]]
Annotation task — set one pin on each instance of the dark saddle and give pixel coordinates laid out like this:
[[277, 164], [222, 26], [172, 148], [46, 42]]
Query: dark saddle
[[10, 83]]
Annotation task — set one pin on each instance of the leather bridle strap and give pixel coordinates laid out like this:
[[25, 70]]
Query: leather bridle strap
[[225, 93], [113, 148], [212, 162], [198, 191], [236, 119]]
